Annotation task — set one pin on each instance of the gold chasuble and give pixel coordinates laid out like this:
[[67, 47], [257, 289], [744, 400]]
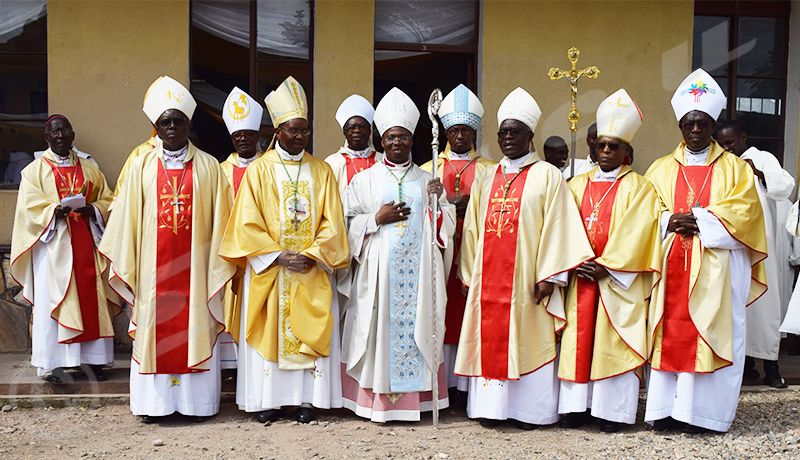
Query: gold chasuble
[[144, 147], [519, 229], [690, 319], [289, 205], [162, 241], [76, 271], [457, 178], [606, 331]]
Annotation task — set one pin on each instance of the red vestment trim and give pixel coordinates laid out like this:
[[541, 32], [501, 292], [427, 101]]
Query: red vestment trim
[[588, 292], [497, 282], [69, 180], [456, 301], [679, 335], [173, 269], [238, 175], [356, 165]]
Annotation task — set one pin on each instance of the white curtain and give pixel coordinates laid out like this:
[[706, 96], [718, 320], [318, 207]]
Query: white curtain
[[283, 26], [442, 22], [15, 14]]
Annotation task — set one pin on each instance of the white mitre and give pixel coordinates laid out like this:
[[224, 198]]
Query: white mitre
[[355, 106], [619, 117], [165, 94], [287, 102], [461, 107], [520, 106], [396, 109], [241, 112], [698, 91]]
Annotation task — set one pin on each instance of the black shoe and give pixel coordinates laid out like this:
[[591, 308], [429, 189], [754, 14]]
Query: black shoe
[[607, 426], [693, 429], [268, 416], [150, 419], [56, 377], [524, 425], [489, 422], [198, 418], [304, 414], [576, 419], [750, 372], [774, 379], [95, 373], [668, 424]]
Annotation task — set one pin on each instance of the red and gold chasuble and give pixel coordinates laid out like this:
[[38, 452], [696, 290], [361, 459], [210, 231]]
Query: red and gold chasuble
[[354, 166], [238, 175], [499, 257], [173, 269], [457, 178], [70, 181], [597, 225], [679, 334]]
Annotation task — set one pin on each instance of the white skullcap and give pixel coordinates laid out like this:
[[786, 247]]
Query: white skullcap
[[396, 109], [355, 106], [241, 112], [520, 106], [165, 94], [461, 107], [698, 91], [619, 117], [287, 102]]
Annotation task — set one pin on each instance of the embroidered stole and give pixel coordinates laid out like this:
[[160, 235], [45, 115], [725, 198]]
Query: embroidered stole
[[499, 259], [356, 165], [238, 175], [679, 335], [173, 269], [70, 180], [455, 298], [404, 239], [588, 292]]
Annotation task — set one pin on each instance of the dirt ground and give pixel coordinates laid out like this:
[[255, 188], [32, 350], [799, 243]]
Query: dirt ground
[[767, 426]]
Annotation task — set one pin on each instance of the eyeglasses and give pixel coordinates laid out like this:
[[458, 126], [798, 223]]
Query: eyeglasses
[[613, 146], [294, 132], [400, 138], [354, 128], [243, 134], [454, 132], [689, 126], [514, 132], [60, 132], [177, 122]]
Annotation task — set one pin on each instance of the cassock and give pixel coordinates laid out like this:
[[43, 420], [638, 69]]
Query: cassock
[[57, 264], [287, 323], [162, 241], [765, 315], [144, 147], [604, 343], [233, 168], [457, 172], [388, 341], [696, 319], [510, 242]]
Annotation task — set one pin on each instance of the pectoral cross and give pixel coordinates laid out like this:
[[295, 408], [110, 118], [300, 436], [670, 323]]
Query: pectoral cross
[[400, 227], [590, 221], [176, 203], [503, 209], [295, 221]]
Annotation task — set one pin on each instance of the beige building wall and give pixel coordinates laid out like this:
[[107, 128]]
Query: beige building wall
[[102, 57], [343, 64], [644, 47]]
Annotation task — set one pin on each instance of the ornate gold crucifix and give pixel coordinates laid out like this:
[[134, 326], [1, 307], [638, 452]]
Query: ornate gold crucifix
[[572, 76]]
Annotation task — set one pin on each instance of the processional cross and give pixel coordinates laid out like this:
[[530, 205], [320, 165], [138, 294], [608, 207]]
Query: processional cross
[[572, 76]]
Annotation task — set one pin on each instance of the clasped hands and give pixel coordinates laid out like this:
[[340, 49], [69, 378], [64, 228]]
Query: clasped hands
[[295, 262], [684, 224], [62, 212]]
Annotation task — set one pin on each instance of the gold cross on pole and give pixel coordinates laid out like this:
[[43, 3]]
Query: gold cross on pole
[[175, 203], [572, 76]]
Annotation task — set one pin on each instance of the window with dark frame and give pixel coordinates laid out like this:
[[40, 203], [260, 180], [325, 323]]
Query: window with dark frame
[[745, 47], [252, 44], [23, 79], [421, 45]]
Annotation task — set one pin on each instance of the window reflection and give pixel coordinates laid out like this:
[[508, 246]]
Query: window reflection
[[18, 141]]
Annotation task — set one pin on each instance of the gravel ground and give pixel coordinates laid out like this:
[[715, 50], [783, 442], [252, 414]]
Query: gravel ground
[[766, 426]]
